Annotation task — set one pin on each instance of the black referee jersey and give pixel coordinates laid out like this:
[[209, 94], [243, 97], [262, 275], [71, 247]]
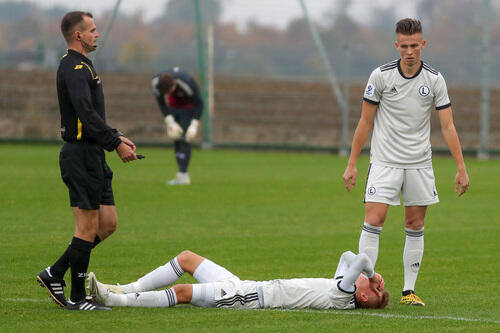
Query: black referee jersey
[[81, 103]]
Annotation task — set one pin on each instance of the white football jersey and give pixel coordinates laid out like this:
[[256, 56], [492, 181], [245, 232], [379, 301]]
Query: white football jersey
[[313, 293], [401, 131]]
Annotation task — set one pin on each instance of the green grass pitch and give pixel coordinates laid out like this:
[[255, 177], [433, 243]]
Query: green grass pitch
[[263, 215]]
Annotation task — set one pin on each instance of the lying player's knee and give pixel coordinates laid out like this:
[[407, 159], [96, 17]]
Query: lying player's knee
[[184, 293], [184, 257], [189, 261]]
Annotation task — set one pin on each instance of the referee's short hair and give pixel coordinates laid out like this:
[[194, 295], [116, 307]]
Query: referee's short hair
[[408, 26], [70, 21]]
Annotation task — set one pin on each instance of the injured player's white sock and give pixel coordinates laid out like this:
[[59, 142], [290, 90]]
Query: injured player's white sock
[[148, 299], [369, 241], [203, 295], [412, 256], [161, 277]]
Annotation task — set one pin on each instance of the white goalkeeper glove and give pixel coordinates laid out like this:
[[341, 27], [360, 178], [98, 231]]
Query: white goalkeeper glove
[[174, 130], [192, 130]]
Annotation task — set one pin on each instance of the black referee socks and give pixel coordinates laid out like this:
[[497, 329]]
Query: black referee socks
[[79, 257]]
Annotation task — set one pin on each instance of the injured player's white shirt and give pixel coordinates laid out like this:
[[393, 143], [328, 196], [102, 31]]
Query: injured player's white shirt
[[313, 293], [301, 293]]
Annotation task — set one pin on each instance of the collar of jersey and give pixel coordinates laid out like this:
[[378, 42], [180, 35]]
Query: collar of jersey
[[411, 77], [78, 54]]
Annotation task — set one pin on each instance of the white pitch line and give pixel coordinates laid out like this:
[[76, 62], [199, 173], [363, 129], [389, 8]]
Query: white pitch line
[[31, 300], [351, 313], [388, 315]]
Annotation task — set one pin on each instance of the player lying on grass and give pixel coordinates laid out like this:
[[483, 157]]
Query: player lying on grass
[[355, 284]]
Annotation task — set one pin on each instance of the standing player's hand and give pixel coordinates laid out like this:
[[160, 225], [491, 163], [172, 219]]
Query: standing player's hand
[[125, 152], [128, 142], [461, 182], [350, 175]]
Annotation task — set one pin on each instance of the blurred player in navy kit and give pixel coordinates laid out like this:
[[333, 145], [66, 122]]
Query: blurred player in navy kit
[[180, 102], [82, 161]]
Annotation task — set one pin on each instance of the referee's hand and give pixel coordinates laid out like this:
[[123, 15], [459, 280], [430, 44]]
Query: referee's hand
[[127, 142], [126, 152]]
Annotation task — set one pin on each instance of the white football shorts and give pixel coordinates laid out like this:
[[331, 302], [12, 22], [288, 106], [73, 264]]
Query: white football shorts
[[417, 186], [220, 288]]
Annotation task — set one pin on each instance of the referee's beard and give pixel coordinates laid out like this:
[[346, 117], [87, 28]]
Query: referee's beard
[[88, 47]]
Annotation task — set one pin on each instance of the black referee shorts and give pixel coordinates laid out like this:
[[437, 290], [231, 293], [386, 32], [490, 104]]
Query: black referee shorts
[[86, 174]]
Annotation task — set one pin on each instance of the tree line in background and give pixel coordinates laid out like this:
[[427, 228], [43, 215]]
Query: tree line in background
[[30, 38]]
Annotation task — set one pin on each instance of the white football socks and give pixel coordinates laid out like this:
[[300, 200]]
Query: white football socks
[[203, 295], [161, 277], [149, 299], [412, 256], [369, 241]]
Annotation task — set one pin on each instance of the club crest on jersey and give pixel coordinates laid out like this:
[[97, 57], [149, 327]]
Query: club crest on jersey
[[371, 190], [424, 90], [370, 90]]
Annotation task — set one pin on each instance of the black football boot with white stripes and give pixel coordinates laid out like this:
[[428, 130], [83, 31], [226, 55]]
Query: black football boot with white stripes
[[86, 304], [54, 285]]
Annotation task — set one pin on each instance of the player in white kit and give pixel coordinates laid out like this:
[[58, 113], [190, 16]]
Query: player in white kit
[[355, 284], [398, 102]]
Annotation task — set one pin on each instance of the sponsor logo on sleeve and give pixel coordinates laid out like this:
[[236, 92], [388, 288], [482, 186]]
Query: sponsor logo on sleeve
[[370, 90]]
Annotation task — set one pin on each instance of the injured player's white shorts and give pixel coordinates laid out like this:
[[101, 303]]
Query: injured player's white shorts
[[219, 287], [417, 186]]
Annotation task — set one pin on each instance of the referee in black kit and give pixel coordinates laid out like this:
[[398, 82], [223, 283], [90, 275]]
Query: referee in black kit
[[82, 161]]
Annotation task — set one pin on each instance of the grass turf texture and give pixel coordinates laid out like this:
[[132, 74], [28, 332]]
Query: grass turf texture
[[263, 215]]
